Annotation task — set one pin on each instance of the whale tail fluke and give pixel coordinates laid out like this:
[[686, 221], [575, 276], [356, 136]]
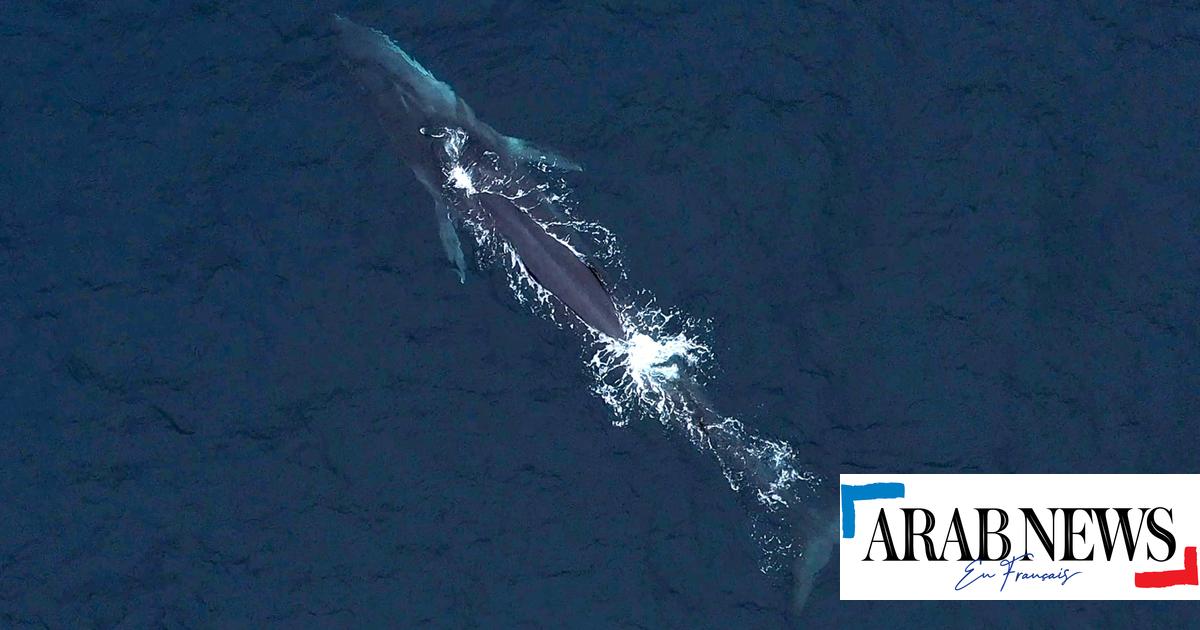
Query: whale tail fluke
[[810, 564]]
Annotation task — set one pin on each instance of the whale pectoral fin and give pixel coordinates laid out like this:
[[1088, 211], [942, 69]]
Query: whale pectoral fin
[[450, 243], [533, 154]]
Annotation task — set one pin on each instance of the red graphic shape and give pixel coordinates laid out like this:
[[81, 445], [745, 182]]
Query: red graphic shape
[[1163, 579]]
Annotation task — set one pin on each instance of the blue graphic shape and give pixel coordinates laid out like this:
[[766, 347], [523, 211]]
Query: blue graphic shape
[[850, 494]]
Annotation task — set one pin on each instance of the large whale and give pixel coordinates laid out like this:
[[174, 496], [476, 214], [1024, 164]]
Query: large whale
[[418, 111], [425, 118]]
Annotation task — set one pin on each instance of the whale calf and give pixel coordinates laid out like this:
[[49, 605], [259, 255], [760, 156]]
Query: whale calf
[[421, 114]]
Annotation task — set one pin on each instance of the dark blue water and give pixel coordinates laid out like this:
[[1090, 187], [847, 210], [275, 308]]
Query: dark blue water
[[241, 387]]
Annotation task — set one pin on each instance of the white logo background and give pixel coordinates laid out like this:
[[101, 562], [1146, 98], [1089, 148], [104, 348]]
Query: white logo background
[[1095, 579]]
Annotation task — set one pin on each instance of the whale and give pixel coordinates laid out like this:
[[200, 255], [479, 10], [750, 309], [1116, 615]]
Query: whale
[[471, 170], [434, 132]]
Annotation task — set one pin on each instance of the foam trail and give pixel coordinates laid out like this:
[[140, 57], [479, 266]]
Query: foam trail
[[646, 377], [658, 372]]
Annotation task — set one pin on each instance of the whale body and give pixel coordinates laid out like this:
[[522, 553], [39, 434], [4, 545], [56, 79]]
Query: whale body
[[418, 111]]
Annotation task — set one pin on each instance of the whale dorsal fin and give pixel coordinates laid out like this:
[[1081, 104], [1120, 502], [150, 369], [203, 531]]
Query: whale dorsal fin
[[596, 272]]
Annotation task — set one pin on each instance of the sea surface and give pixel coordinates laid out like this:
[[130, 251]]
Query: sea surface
[[240, 385]]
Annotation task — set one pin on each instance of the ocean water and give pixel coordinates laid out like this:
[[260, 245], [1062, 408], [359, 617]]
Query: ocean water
[[240, 386]]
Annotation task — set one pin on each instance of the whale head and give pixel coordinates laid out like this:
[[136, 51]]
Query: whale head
[[407, 97]]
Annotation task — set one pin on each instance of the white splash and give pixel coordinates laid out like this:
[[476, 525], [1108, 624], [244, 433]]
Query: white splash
[[641, 376], [659, 371], [461, 179], [648, 359]]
